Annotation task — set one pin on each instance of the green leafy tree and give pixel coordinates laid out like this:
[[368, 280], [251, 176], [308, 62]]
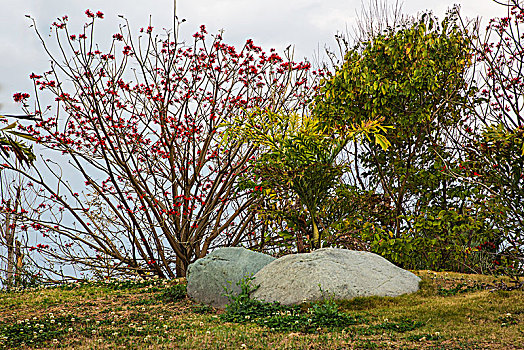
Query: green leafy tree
[[298, 169], [414, 77]]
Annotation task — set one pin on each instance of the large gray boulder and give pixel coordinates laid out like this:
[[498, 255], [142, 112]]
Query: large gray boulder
[[329, 272], [207, 277]]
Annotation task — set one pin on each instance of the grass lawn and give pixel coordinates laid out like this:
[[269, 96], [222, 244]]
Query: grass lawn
[[451, 311]]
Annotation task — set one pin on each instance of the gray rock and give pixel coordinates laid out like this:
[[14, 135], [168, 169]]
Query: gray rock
[[340, 273], [207, 277]]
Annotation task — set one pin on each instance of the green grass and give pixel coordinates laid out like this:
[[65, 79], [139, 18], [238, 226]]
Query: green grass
[[451, 311]]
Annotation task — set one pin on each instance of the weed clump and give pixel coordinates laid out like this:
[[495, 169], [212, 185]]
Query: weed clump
[[283, 318], [174, 293]]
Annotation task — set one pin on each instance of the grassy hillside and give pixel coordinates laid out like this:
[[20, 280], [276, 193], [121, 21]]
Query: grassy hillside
[[451, 311]]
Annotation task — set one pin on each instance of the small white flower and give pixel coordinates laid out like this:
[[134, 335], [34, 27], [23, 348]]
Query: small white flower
[[55, 341], [243, 345], [70, 329], [144, 322], [52, 320], [115, 334], [93, 331], [72, 319]]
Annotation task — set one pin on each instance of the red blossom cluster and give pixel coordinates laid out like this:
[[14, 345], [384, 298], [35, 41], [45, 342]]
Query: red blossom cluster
[[20, 96], [90, 14]]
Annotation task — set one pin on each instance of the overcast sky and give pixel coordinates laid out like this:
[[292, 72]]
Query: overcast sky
[[307, 24]]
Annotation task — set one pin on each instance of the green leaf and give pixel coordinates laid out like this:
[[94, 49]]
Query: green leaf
[[382, 141]]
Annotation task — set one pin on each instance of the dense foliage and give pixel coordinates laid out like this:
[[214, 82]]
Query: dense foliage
[[417, 78], [412, 147]]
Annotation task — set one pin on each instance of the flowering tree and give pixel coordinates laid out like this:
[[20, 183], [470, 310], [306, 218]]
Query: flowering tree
[[494, 137], [140, 124]]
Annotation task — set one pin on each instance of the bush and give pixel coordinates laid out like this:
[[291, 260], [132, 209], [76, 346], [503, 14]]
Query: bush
[[174, 293], [243, 309]]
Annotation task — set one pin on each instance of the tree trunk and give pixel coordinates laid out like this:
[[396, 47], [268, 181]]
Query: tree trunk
[[181, 267], [14, 256], [300, 242], [10, 238], [19, 262], [316, 234]]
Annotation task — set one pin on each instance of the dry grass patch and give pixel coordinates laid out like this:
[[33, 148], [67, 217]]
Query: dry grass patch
[[451, 311]]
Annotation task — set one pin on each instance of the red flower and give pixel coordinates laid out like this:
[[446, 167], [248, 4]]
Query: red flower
[[118, 37], [59, 25], [20, 96], [89, 13], [99, 14]]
